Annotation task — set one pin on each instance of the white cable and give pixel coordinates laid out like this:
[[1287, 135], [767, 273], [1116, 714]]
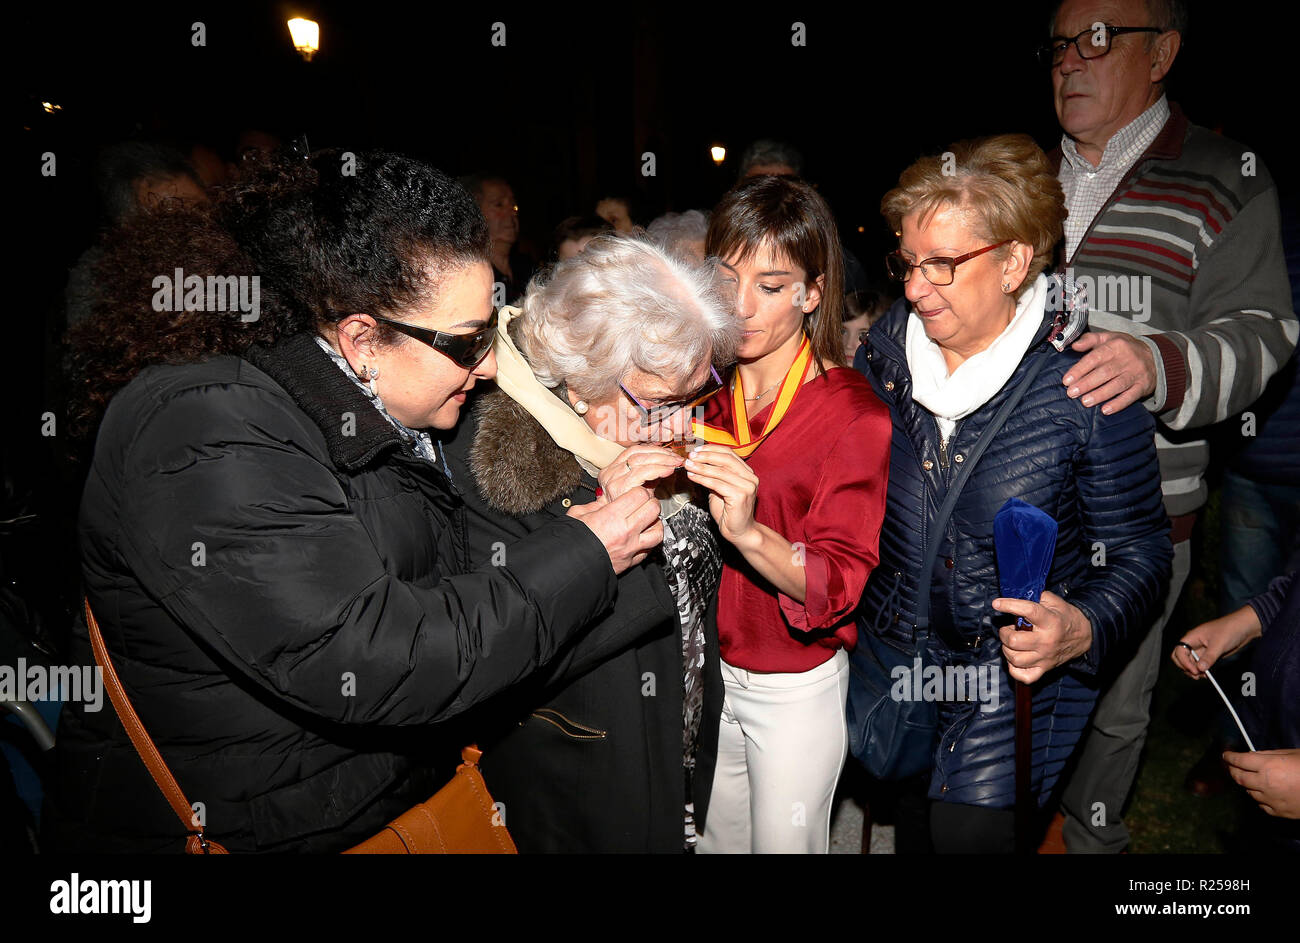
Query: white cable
[[1231, 709]]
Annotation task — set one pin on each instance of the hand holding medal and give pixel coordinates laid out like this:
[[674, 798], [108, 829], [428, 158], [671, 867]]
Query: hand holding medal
[[732, 487], [719, 464], [637, 466]]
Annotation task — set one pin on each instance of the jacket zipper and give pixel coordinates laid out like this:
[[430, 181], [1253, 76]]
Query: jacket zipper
[[570, 728], [945, 466], [945, 455]]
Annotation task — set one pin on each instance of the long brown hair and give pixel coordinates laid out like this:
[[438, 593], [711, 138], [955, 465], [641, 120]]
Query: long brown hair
[[793, 218]]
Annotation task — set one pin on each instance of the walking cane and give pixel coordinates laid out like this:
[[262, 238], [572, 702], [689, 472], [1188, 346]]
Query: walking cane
[[1025, 831]]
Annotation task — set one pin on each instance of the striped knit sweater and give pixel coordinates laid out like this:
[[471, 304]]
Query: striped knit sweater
[[1186, 254]]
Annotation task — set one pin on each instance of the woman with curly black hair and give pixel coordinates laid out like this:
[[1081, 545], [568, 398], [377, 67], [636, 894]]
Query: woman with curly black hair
[[270, 538]]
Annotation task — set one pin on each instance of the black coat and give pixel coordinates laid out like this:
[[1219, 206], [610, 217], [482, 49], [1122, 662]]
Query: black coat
[[584, 757], [285, 591]]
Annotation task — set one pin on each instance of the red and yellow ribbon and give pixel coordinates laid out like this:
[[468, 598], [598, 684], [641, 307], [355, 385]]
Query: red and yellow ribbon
[[741, 440]]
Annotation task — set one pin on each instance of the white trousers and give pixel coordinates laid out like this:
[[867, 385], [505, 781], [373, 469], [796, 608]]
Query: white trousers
[[782, 740]]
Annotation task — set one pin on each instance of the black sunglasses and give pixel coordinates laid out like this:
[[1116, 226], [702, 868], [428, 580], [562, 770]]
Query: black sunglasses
[[468, 350]]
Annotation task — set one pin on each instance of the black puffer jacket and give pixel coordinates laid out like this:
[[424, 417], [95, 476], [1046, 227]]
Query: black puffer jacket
[[285, 591], [1095, 474], [587, 754]]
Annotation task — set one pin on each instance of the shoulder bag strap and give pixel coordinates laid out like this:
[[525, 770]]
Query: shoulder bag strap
[[959, 482], [144, 745]]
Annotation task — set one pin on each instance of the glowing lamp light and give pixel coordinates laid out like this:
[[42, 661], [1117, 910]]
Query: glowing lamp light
[[718, 153], [306, 36]]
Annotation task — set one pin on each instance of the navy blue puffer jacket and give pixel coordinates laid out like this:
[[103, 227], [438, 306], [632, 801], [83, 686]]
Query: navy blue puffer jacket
[[1095, 474]]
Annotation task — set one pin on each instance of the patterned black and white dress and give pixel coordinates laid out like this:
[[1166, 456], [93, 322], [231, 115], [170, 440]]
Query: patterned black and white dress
[[694, 568]]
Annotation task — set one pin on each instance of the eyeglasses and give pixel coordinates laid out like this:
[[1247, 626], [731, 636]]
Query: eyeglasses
[[654, 414], [468, 350], [939, 270], [1052, 52]]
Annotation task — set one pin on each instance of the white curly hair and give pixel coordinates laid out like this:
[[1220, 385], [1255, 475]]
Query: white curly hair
[[625, 304]]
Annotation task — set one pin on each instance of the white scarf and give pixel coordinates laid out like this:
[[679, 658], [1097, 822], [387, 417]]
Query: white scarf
[[953, 396]]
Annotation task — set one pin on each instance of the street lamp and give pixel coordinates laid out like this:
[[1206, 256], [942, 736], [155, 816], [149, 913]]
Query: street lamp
[[718, 153], [306, 36]]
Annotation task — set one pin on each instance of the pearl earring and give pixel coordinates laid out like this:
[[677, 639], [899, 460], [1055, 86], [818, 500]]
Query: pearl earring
[[374, 375], [580, 408]]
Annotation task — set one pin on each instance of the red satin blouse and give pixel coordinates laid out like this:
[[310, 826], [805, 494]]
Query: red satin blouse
[[822, 476]]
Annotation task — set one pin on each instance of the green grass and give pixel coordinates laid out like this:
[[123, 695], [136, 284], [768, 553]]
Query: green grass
[[1164, 817]]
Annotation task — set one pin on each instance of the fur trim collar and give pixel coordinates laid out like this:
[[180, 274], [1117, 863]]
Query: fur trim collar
[[518, 468]]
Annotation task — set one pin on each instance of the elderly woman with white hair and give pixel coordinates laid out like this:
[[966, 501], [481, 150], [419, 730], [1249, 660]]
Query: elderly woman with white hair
[[599, 372]]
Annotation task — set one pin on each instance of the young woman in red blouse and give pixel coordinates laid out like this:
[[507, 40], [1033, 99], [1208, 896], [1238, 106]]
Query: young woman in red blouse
[[795, 466]]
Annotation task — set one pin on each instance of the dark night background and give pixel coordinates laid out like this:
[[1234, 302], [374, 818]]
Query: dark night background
[[564, 111]]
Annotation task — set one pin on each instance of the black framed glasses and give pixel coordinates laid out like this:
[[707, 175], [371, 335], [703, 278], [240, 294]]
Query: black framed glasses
[[468, 350], [1052, 52], [654, 414], [939, 270]]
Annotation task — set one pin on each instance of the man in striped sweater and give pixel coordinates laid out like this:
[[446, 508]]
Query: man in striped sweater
[[1175, 233]]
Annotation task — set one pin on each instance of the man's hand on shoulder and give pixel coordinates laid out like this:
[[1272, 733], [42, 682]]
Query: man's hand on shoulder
[[1115, 371]]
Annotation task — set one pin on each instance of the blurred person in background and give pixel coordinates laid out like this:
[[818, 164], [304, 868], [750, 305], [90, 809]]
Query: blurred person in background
[[130, 177], [768, 157], [617, 211], [572, 235], [861, 310], [511, 268], [682, 234]]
